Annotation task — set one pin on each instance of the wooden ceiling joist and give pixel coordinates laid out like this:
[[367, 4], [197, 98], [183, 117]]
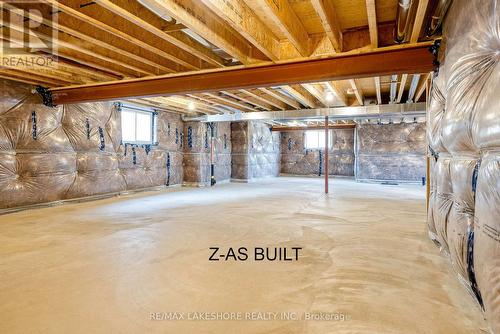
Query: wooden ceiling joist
[[81, 30], [194, 15], [334, 88], [421, 86], [419, 20], [282, 97], [300, 94], [378, 90], [317, 92], [285, 18], [402, 85], [372, 22], [357, 91], [328, 15], [239, 16], [134, 12], [264, 97], [88, 23], [248, 99], [230, 102], [79, 50], [402, 59]]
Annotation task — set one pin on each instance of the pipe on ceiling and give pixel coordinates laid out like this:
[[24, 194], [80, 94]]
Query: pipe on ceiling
[[404, 20], [436, 15]]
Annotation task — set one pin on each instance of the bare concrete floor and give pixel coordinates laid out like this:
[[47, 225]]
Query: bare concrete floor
[[105, 266]]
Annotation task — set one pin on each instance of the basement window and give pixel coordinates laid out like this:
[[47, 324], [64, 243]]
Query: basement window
[[138, 125], [315, 139]]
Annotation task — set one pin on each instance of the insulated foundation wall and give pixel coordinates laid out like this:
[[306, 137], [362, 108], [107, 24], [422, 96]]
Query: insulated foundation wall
[[390, 152], [197, 153], [256, 151], [297, 160], [72, 151], [464, 139]]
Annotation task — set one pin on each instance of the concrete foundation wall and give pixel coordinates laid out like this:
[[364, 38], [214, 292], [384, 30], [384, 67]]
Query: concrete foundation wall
[[297, 160], [394, 152], [197, 145]]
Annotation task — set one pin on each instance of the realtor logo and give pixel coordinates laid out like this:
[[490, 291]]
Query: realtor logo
[[28, 34]]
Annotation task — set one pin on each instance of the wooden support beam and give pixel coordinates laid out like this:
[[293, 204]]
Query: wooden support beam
[[68, 12], [282, 97], [301, 94], [239, 16], [83, 31], [334, 87], [265, 98], [65, 67], [372, 22], [421, 86], [35, 77], [317, 92], [183, 102], [175, 27], [285, 18], [402, 85], [221, 108], [357, 91], [29, 81], [134, 12], [227, 101], [419, 20], [409, 59], [111, 70], [248, 99], [194, 15], [377, 88], [328, 15]]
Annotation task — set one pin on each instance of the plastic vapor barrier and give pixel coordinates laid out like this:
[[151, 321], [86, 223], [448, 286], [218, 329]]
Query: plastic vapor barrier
[[73, 151], [390, 152], [197, 147], [297, 160], [464, 131], [256, 150]]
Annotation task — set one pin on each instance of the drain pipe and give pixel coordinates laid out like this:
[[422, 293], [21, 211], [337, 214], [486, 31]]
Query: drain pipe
[[435, 19], [212, 154], [404, 17]]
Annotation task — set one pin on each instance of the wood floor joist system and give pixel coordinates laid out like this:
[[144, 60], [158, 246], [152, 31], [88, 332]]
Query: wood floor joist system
[[115, 41]]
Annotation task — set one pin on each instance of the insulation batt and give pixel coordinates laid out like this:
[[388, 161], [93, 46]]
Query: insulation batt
[[390, 152], [464, 130], [197, 153], [297, 160], [256, 151], [72, 151]]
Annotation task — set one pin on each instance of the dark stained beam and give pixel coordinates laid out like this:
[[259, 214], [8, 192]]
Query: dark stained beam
[[410, 59]]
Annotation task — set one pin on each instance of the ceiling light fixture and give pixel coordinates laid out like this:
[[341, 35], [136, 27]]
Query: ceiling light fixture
[[329, 97]]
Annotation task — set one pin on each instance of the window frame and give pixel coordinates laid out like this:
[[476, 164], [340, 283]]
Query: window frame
[[140, 110], [321, 146]]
